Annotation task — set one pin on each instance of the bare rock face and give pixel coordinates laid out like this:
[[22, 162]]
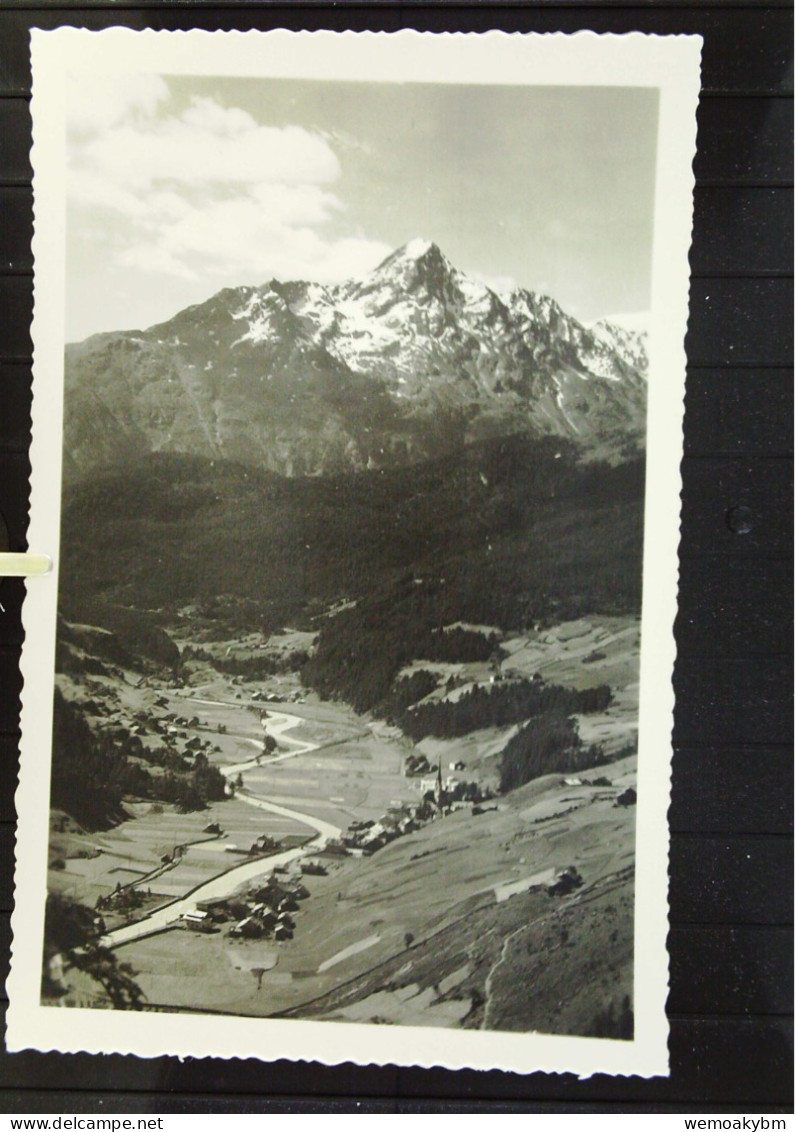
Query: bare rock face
[[412, 361]]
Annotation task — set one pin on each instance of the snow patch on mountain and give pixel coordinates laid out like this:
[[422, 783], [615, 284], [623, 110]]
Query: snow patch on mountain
[[417, 248], [408, 361]]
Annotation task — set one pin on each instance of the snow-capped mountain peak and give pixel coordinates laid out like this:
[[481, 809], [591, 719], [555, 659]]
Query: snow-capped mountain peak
[[412, 359], [417, 266], [418, 247]]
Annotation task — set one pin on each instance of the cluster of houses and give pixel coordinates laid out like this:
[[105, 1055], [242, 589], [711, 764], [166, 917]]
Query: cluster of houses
[[364, 837], [625, 798], [438, 797], [122, 899], [263, 845], [170, 727], [266, 913], [416, 764], [447, 791], [450, 787], [295, 697]]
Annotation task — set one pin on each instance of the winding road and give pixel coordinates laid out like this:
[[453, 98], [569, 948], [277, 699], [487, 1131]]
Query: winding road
[[225, 883]]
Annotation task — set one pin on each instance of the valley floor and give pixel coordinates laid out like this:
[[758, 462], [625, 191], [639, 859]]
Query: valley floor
[[451, 924]]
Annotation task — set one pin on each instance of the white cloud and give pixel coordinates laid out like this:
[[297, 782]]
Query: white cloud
[[94, 104], [243, 238], [209, 192], [155, 259], [197, 151], [227, 121], [90, 190]]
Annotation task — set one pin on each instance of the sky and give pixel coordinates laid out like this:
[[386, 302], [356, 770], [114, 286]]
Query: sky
[[178, 186]]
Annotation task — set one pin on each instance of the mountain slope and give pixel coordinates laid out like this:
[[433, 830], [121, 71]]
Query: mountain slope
[[502, 533], [412, 361]]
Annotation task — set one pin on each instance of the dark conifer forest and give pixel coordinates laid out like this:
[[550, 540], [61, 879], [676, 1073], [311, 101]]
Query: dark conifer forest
[[93, 773], [506, 533]]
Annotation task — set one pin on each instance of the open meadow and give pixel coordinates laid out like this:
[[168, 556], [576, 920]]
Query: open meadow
[[443, 926], [411, 934]]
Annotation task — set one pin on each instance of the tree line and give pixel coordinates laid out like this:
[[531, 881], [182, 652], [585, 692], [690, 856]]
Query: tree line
[[362, 650], [549, 743], [251, 667], [407, 691], [73, 931], [485, 518], [498, 705], [93, 773]]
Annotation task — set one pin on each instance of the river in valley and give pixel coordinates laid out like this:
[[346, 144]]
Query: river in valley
[[224, 884]]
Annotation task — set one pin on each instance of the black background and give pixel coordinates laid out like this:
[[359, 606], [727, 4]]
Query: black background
[[731, 815]]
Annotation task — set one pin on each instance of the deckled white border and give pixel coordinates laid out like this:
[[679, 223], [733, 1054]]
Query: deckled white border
[[672, 65]]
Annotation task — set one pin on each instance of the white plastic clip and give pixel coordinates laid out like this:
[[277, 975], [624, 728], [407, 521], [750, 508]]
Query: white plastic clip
[[24, 565]]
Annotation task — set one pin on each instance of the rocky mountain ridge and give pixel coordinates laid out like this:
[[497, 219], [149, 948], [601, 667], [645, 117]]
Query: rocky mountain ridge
[[414, 360]]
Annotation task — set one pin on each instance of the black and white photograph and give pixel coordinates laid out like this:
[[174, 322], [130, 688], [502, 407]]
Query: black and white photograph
[[357, 709]]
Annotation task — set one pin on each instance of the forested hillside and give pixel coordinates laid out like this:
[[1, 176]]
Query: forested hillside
[[506, 533]]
